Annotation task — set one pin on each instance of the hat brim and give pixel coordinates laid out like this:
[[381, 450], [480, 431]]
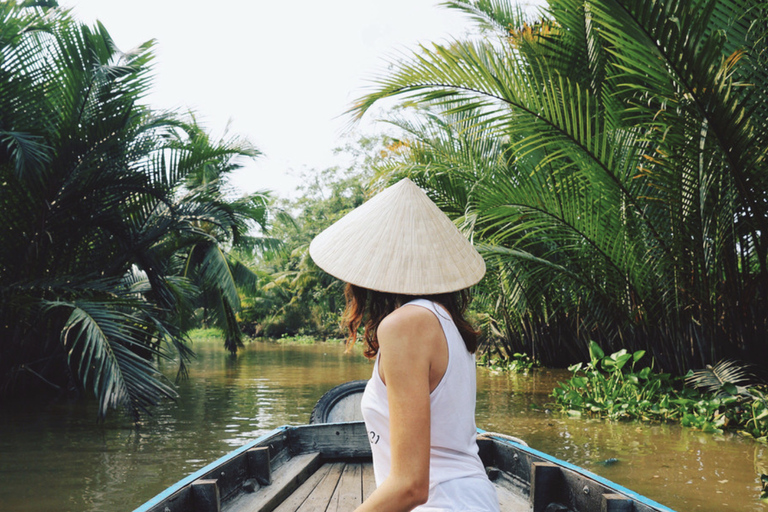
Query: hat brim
[[399, 242]]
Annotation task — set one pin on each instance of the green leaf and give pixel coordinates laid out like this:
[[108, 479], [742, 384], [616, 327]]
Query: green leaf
[[595, 353], [622, 360]]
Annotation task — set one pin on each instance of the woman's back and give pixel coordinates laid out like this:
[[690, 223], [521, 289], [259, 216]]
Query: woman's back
[[456, 473]]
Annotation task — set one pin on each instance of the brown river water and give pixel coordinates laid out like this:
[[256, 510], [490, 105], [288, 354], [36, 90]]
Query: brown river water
[[57, 458]]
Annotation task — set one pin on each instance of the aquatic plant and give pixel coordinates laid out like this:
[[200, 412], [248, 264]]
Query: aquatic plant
[[743, 394], [611, 387]]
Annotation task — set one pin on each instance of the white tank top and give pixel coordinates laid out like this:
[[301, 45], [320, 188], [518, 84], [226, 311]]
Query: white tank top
[[457, 479]]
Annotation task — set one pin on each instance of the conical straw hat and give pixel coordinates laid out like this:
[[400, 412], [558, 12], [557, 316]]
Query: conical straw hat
[[399, 242]]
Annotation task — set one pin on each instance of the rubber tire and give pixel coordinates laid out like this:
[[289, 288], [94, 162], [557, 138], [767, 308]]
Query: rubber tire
[[328, 401]]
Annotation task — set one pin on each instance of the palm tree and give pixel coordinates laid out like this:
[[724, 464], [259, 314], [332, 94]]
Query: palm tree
[[610, 158], [94, 223], [208, 259]]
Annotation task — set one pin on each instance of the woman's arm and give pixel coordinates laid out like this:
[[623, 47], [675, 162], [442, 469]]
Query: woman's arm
[[409, 341]]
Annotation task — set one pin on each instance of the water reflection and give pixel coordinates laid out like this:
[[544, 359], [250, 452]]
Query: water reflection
[[59, 459], [682, 468]]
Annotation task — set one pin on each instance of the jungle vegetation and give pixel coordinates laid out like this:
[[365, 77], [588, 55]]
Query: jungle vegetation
[[116, 225], [294, 296], [609, 159]]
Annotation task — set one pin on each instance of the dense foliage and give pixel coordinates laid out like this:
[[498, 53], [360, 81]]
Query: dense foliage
[[294, 296], [609, 158], [113, 218], [610, 386]]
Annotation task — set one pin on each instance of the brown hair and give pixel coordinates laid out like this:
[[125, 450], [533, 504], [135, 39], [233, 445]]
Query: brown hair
[[364, 305]]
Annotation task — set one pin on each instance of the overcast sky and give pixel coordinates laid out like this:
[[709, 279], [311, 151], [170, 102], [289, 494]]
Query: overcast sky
[[282, 72]]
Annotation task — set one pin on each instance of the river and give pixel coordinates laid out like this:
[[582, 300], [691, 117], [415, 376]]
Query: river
[[56, 458]]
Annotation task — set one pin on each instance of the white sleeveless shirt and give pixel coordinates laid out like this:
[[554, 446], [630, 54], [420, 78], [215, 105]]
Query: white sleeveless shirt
[[457, 479]]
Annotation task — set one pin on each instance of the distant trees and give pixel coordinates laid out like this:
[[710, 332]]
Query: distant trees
[[114, 222], [610, 158], [294, 296]]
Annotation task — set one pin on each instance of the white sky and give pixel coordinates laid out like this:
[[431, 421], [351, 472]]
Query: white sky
[[283, 72]]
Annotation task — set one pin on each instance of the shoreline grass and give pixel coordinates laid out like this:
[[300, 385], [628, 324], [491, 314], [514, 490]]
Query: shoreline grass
[[305, 339]]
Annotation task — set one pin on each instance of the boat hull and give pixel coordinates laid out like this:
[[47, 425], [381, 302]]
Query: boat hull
[[328, 467]]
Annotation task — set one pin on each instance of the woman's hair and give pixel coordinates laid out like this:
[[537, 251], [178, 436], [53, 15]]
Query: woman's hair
[[368, 308]]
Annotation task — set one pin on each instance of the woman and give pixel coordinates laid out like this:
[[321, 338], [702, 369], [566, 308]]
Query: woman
[[407, 269]]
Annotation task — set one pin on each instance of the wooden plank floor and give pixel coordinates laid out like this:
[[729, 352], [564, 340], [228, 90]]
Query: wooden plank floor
[[341, 487], [335, 487]]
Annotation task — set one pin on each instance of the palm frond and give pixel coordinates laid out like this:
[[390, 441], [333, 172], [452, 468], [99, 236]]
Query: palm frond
[[493, 15], [101, 344], [727, 378], [613, 150]]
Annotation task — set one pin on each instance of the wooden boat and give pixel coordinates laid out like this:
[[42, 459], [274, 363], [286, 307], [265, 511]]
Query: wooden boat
[[327, 467]]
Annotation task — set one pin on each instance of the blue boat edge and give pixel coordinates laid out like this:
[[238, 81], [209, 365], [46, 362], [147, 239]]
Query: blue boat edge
[[206, 469], [608, 483]]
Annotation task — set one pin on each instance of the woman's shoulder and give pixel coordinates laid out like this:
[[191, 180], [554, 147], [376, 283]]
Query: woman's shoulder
[[409, 321], [408, 315]]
